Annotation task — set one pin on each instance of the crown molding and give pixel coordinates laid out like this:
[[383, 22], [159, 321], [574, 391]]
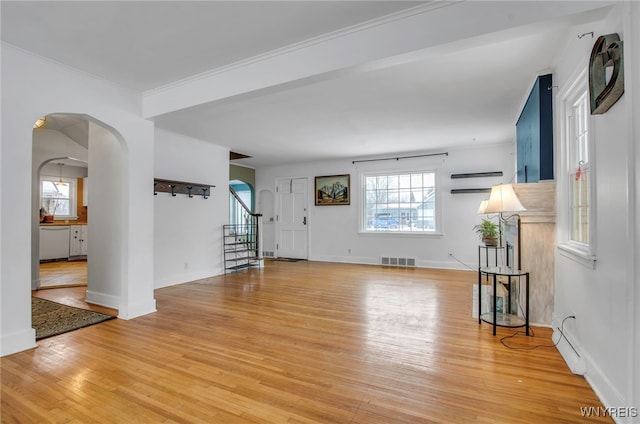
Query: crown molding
[[363, 26]]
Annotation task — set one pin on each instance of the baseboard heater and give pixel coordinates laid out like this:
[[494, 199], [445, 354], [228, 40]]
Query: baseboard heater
[[393, 261]]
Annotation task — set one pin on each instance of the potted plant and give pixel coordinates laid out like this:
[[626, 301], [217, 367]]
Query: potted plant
[[488, 232], [49, 216]]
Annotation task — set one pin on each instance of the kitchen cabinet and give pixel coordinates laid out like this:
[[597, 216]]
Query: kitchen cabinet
[[85, 191], [54, 242], [78, 240]]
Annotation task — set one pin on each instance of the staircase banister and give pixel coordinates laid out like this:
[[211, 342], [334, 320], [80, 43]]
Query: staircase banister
[[244, 206]]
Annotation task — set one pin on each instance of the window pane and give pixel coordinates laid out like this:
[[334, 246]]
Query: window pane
[[579, 170], [58, 197], [400, 202], [580, 208]]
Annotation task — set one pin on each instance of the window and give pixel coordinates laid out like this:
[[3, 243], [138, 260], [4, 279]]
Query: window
[[403, 202], [579, 172], [58, 197], [578, 207]]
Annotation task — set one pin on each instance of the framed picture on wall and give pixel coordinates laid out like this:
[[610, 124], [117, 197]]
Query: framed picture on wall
[[333, 190]]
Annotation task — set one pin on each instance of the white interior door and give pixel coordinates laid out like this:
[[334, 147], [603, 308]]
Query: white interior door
[[291, 218]]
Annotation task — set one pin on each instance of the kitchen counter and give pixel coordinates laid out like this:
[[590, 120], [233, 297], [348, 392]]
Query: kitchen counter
[[61, 223]]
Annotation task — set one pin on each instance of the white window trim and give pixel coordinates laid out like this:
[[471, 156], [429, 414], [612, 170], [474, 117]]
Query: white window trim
[[362, 231], [581, 253], [73, 196], [578, 255]]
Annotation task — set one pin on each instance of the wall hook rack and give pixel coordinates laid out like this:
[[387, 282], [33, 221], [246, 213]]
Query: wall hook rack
[[181, 187]]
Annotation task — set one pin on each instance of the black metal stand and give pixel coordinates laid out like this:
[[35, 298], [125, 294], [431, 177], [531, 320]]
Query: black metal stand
[[507, 318]]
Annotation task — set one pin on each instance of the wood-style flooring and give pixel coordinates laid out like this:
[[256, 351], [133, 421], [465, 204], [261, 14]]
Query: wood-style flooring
[[302, 342], [66, 282], [63, 274]]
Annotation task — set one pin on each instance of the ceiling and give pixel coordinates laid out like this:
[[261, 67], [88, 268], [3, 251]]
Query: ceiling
[[469, 93]]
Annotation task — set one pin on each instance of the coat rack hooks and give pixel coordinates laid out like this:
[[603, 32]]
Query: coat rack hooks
[[181, 187]]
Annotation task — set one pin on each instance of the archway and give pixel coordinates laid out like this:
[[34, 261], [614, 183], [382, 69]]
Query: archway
[[85, 138], [246, 194]]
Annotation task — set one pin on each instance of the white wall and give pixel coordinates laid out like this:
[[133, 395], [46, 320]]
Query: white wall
[[633, 89], [48, 144], [31, 88], [188, 231], [105, 217], [602, 298], [333, 230], [52, 169]]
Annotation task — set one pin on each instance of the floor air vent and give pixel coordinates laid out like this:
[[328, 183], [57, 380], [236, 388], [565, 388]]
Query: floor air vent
[[392, 261]]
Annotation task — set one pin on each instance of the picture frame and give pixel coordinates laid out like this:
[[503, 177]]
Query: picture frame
[[333, 190]]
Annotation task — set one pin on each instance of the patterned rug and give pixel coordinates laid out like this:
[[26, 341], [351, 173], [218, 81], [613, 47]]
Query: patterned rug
[[50, 318]]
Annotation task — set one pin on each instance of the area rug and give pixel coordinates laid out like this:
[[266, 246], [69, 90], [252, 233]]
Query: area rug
[[51, 318]]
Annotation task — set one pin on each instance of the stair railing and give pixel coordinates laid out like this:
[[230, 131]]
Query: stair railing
[[247, 224]]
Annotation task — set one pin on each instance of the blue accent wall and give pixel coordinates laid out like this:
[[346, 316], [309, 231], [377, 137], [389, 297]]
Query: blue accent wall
[[534, 134]]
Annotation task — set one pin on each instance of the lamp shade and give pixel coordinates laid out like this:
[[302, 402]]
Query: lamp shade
[[483, 207], [503, 199]]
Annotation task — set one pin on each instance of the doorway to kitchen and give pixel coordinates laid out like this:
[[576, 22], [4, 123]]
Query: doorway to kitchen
[[63, 231], [65, 148]]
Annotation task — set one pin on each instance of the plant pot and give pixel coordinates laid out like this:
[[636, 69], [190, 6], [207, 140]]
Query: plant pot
[[48, 218], [490, 240]]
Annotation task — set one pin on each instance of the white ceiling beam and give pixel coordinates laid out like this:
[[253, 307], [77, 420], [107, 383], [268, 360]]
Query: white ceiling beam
[[381, 42]]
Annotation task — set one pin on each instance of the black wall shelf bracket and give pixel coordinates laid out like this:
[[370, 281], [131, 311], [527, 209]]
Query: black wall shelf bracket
[[181, 187], [477, 175]]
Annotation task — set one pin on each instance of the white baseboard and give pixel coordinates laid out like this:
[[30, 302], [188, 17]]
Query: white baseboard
[[185, 278], [17, 342], [363, 260], [137, 309], [102, 299], [574, 360], [581, 363]]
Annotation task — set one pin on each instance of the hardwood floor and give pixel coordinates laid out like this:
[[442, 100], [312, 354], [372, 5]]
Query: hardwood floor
[[66, 282], [63, 274], [302, 342], [72, 296]]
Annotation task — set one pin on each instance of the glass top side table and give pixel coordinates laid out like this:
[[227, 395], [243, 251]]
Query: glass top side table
[[507, 317]]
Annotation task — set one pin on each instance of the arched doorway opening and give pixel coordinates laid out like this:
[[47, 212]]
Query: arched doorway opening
[[246, 194], [60, 137], [63, 233]]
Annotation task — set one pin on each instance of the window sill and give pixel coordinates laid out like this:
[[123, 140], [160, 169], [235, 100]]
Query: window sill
[[577, 255], [400, 234]]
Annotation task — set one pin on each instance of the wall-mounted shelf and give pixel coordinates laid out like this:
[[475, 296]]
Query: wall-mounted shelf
[[470, 190], [477, 175], [181, 187]]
